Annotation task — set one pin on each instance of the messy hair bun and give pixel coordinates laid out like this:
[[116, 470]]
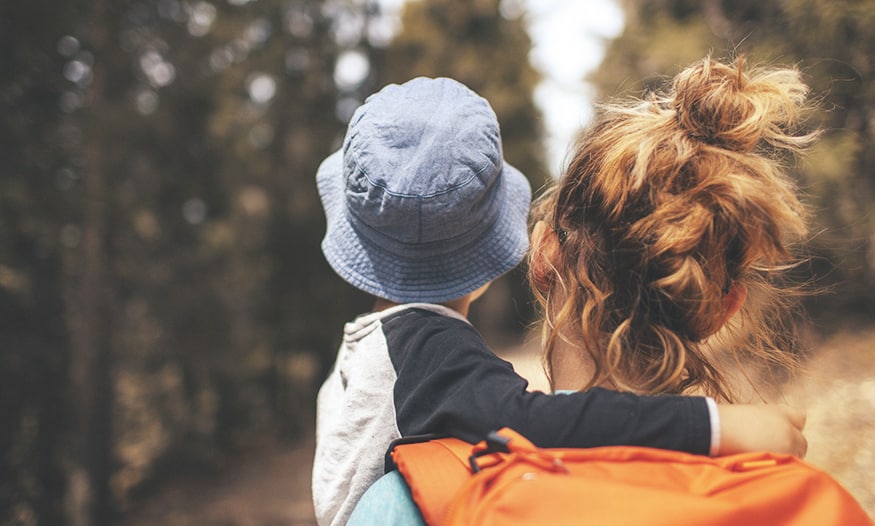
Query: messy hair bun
[[665, 206], [722, 105]]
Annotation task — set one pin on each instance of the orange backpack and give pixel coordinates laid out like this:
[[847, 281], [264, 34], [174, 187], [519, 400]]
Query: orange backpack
[[506, 480]]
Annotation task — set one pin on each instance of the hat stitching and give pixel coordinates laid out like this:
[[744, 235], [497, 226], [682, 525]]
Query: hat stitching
[[419, 220], [359, 225], [498, 166]]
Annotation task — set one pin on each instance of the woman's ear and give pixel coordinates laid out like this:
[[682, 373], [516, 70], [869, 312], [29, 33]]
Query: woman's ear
[[545, 251], [734, 300]]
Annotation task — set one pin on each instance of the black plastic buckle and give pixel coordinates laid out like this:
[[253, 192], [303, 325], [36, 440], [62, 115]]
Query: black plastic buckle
[[495, 443]]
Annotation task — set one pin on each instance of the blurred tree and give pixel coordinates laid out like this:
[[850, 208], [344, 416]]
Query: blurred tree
[[225, 311], [833, 43], [35, 226], [483, 44]]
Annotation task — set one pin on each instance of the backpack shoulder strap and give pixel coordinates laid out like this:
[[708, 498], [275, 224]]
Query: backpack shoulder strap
[[434, 471]]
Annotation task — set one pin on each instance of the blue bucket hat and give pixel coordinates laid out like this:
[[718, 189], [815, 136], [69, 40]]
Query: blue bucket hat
[[420, 205]]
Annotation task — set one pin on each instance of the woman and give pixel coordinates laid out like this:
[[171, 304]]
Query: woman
[[671, 213]]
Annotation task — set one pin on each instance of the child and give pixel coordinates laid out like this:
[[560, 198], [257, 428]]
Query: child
[[423, 213]]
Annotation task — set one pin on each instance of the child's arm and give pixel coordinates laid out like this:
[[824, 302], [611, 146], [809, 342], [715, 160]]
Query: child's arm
[[449, 382], [772, 428]]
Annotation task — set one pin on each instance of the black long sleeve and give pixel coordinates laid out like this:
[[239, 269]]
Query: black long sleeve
[[448, 381]]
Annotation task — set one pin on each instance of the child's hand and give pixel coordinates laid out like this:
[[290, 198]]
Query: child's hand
[[774, 428]]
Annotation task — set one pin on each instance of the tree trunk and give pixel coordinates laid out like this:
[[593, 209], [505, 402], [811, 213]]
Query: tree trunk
[[88, 499]]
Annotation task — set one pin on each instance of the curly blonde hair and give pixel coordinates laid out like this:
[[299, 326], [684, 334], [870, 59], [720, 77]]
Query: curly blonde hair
[[666, 204]]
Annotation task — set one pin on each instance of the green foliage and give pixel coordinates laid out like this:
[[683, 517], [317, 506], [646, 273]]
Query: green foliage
[[832, 43]]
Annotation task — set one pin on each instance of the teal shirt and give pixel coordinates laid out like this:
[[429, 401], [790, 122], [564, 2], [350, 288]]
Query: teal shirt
[[387, 502]]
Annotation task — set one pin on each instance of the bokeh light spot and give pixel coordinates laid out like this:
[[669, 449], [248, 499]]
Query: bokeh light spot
[[351, 70], [262, 88], [194, 211]]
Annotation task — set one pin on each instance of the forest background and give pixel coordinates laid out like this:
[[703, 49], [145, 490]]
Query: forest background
[[164, 304]]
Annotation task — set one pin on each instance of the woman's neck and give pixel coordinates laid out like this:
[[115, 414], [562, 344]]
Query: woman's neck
[[572, 369]]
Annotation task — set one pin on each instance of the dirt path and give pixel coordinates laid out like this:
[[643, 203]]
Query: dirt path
[[268, 487], [271, 486], [838, 392]]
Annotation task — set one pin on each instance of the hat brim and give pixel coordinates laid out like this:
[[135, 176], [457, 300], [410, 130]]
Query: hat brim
[[433, 279]]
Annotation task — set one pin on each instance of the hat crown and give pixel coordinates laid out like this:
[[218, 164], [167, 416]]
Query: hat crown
[[429, 149], [419, 204]]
